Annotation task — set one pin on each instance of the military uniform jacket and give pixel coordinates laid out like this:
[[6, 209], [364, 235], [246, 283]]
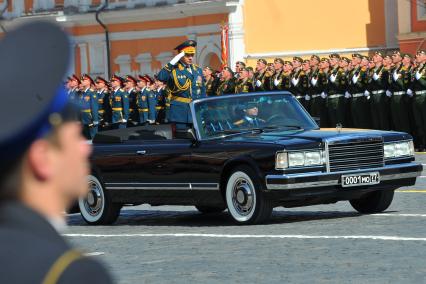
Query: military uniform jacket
[[418, 78], [259, 81], [89, 107], [244, 86], [322, 84], [30, 246], [152, 103], [226, 87], [119, 101], [315, 89], [104, 108], [339, 86], [379, 81], [185, 84], [133, 105], [300, 84], [275, 82], [142, 101], [399, 79], [361, 84], [210, 91]]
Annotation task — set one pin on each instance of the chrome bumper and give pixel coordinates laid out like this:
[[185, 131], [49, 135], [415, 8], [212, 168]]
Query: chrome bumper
[[321, 179]]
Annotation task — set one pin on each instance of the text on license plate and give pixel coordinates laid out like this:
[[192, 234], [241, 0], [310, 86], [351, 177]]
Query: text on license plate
[[360, 179]]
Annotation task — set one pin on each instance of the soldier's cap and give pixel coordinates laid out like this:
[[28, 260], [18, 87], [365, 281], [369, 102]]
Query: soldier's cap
[[346, 59], [396, 52], [263, 61], [379, 53], [244, 69], [33, 110], [250, 69], [187, 46], [306, 61], [421, 51], [314, 56], [324, 59], [365, 57], [334, 55], [388, 56], [87, 77], [209, 68], [130, 78], [75, 78], [101, 79], [229, 70], [297, 58], [148, 79], [240, 62], [116, 78], [406, 55], [288, 63], [279, 60], [356, 55]]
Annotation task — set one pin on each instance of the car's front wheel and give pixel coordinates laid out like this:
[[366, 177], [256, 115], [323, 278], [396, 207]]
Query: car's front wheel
[[246, 202], [374, 202], [96, 207]]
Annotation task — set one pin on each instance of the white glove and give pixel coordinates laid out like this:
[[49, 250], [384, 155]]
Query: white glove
[[95, 123], [276, 82], [395, 76], [258, 83], [409, 92], [347, 95], [388, 93], [366, 93], [294, 81], [418, 75], [375, 76], [355, 78], [333, 78], [307, 98], [323, 95], [177, 58], [314, 81], [123, 120]]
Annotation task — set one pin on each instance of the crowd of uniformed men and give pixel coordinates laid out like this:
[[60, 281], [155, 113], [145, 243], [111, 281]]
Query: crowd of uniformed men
[[386, 92]]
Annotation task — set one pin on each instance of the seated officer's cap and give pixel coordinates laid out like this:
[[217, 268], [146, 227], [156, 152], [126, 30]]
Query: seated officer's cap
[[280, 60], [297, 58], [263, 61], [131, 78], [32, 110], [334, 55], [188, 47]]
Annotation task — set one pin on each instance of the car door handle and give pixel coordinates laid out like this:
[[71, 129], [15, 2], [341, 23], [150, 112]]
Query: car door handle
[[141, 152]]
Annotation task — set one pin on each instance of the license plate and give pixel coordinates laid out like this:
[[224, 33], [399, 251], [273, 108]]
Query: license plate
[[360, 179]]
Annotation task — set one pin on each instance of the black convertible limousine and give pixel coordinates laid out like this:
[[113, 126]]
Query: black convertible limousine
[[247, 154]]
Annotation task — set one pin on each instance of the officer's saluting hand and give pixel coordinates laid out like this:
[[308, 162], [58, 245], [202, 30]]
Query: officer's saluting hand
[[44, 161]]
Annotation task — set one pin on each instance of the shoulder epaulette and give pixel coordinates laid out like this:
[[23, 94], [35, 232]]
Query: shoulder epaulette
[[239, 122]]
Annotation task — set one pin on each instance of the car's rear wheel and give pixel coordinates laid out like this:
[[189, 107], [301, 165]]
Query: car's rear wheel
[[96, 207], [209, 209], [246, 202], [374, 202]]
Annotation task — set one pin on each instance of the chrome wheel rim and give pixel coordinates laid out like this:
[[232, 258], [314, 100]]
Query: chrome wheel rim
[[243, 196], [93, 203]]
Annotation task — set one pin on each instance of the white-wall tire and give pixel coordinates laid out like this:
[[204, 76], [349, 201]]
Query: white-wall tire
[[96, 207], [245, 200]]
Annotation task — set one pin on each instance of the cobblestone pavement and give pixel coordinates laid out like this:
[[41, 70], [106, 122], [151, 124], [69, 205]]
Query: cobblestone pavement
[[316, 244]]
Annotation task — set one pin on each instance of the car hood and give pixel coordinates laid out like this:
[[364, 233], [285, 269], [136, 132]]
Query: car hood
[[313, 138]]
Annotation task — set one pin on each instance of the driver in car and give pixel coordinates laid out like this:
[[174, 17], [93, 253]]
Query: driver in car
[[250, 117]]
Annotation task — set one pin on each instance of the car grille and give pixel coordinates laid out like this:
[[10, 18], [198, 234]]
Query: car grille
[[354, 155]]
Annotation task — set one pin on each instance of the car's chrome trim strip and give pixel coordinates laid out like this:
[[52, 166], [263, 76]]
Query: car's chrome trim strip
[[164, 186], [336, 181]]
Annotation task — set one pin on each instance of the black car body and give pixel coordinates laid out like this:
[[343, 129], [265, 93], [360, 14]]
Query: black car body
[[287, 161]]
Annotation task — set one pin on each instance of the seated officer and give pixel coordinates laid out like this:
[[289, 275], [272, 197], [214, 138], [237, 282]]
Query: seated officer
[[185, 82], [44, 161], [250, 117]]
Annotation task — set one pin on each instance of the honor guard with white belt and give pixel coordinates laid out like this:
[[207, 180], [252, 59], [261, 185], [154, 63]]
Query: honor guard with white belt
[[336, 92], [89, 107], [260, 76], [319, 99], [185, 82], [119, 101], [299, 80]]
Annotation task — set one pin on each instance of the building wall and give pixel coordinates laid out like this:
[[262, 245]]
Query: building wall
[[412, 35]]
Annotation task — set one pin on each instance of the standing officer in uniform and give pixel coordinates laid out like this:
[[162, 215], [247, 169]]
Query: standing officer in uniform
[[319, 100], [89, 108], [358, 81], [378, 84], [244, 85], [208, 76], [151, 99], [185, 82], [299, 81], [104, 108], [260, 76], [130, 87], [239, 65], [44, 162], [142, 100], [306, 67], [419, 104], [314, 92], [119, 101], [73, 91], [400, 80], [160, 108], [275, 81], [336, 93]]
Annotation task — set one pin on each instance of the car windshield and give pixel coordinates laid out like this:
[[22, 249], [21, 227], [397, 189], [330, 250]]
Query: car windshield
[[236, 114]]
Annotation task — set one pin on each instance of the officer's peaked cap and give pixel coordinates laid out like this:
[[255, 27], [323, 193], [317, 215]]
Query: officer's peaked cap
[[187, 47]]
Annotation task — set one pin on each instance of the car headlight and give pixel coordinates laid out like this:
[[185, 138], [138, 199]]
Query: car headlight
[[398, 149], [298, 159]]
